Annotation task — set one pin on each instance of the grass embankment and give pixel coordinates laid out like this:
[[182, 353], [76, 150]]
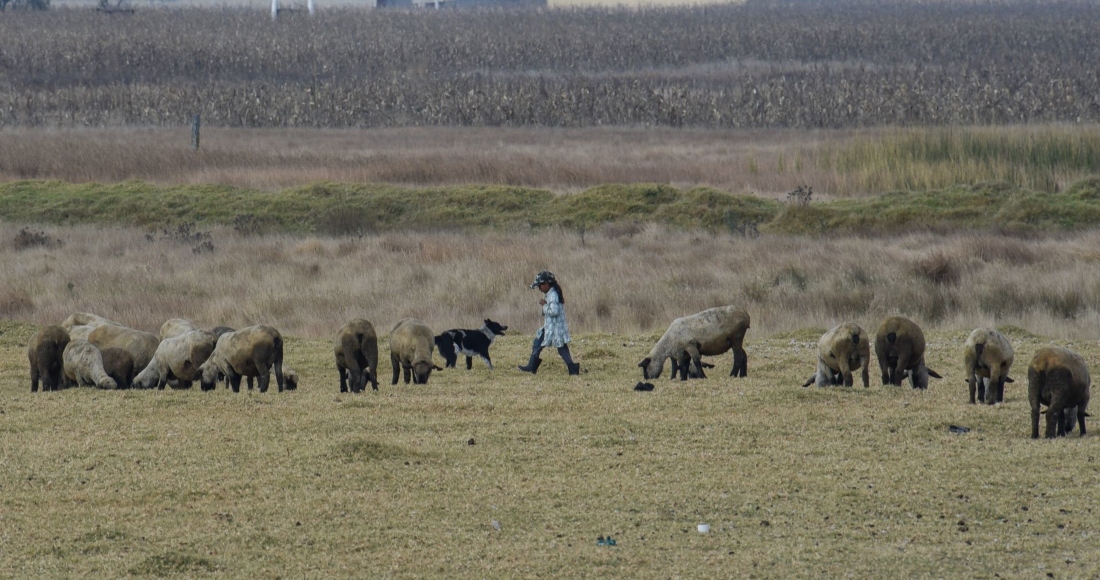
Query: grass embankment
[[329, 208]]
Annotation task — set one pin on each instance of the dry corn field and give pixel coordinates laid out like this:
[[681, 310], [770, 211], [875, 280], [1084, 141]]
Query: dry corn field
[[499, 473], [764, 65]]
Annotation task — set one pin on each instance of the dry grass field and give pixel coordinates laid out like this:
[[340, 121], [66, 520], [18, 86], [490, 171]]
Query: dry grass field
[[496, 473], [837, 163]]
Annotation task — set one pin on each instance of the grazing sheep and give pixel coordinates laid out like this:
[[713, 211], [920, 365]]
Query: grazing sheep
[[411, 346], [356, 349], [841, 350], [249, 352], [710, 332], [83, 364], [141, 345], [86, 319], [119, 365], [45, 356], [177, 359], [987, 357], [175, 327], [1058, 378], [899, 346]]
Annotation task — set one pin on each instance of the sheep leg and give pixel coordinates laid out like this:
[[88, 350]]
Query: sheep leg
[[740, 360], [234, 381], [264, 379], [408, 374], [992, 383], [898, 373], [34, 381], [343, 379], [696, 363], [396, 368], [469, 362], [865, 375]]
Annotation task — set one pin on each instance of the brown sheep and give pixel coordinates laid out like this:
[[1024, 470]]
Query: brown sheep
[[707, 333], [45, 356], [987, 357], [356, 349], [411, 346], [119, 365], [249, 352], [141, 345], [177, 359], [899, 346], [83, 364], [841, 350], [1058, 378]]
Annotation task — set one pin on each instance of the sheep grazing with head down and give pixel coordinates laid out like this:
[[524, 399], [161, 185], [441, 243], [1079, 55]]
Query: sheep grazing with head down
[[83, 364], [253, 351], [411, 347], [1058, 378], [140, 344], [45, 356], [987, 357], [899, 346], [841, 350], [177, 359], [356, 350], [708, 333]]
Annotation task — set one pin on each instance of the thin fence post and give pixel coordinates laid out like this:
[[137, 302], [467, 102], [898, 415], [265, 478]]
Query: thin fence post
[[195, 132]]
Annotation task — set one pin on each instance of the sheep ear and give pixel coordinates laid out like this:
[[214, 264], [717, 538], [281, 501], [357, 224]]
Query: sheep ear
[[1009, 380], [437, 367], [809, 381], [934, 374], [644, 363]]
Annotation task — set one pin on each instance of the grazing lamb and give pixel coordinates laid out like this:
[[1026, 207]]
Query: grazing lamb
[[841, 350], [899, 346], [249, 352], [119, 365], [141, 345], [987, 357], [175, 327], [83, 364], [710, 332], [86, 319], [411, 348], [178, 359], [356, 350], [1058, 378], [45, 356], [469, 342]]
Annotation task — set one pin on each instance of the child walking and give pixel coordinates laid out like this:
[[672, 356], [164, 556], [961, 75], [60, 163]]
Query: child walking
[[554, 331]]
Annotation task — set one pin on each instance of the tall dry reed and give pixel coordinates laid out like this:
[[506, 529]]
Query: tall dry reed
[[836, 163], [615, 280]]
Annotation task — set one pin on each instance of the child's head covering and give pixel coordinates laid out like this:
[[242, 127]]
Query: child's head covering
[[543, 277]]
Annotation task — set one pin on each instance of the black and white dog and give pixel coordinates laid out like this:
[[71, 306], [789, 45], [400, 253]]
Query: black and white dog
[[469, 342]]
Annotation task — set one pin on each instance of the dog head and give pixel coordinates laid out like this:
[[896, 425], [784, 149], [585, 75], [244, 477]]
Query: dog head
[[494, 328]]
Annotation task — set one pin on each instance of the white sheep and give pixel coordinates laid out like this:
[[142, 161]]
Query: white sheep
[[841, 350], [177, 358], [708, 333], [140, 344], [83, 364], [175, 327]]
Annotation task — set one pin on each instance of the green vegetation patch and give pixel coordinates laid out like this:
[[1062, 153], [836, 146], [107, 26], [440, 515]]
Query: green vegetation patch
[[339, 209]]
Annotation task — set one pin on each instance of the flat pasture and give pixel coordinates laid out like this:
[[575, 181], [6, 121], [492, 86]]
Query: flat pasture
[[499, 473]]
